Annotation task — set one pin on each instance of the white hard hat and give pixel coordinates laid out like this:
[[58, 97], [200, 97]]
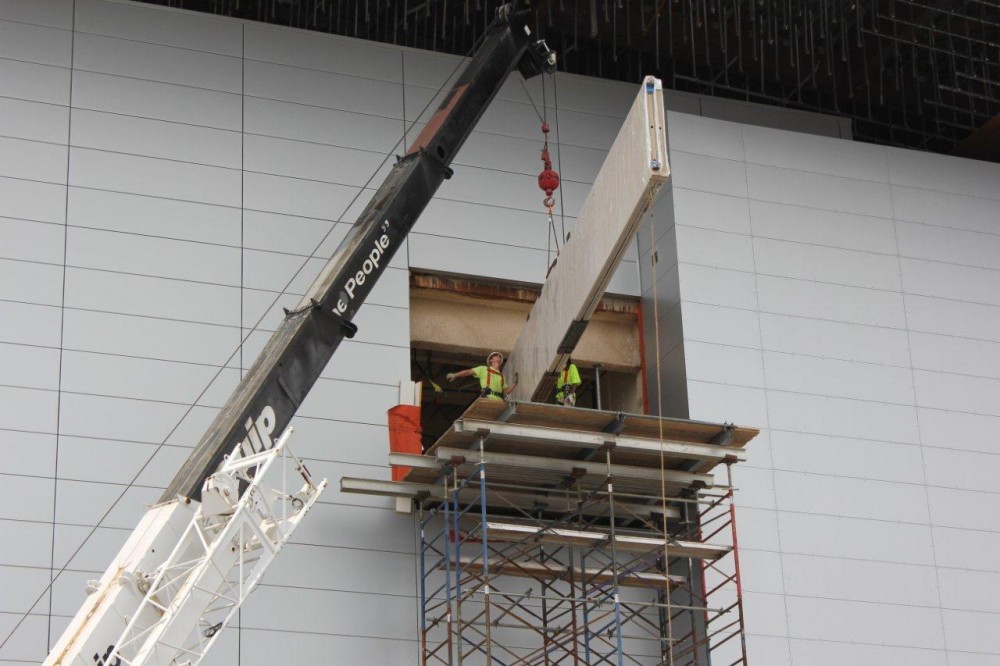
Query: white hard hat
[[492, 354]]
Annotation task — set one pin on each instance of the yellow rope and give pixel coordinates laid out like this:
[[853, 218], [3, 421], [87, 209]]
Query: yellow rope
[[653, 260]]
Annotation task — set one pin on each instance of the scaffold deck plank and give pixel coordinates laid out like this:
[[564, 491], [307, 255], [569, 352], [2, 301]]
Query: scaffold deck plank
[[548, 571], [551, 502], [575, 433], [635, 544], [578, 468]]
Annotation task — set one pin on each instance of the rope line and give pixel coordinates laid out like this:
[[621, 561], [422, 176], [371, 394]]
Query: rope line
[[653, 260], [562, 204]]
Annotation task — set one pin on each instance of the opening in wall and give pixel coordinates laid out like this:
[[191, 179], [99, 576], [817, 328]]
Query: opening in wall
[[456, 321]]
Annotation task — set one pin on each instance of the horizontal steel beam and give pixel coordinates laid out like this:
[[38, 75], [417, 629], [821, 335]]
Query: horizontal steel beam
[[673, 478], [502, 498], [414, 460], [635, 544], [548, 571]]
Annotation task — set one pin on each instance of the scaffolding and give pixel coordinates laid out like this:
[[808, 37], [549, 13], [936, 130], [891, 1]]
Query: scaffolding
[[554, 535]]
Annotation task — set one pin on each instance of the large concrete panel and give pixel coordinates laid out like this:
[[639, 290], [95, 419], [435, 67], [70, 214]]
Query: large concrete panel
[[952, 211], [816, 154], [859, 622], [714, 248], [37, 121], [704, 136], [856, 305], [834, 653], [722, 325], [724, 364], [943, 173], [855, 580], [836, 340], [154, 177], [32, 81], [33, 160], [802, 224], [949, 317], [32, 241], [155, 99], [27, 200], [711, 211], [35, 43], [155, 257], [156, 138], [836, 193], [708, 174], [968, 248], [950, 281], [155, 217], [844, 417], [843, 379], [354, 57], [839, 456], [53, 13], [821, 264], [152, 62]]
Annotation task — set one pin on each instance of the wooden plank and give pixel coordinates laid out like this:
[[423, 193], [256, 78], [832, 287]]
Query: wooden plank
[[634, 170]]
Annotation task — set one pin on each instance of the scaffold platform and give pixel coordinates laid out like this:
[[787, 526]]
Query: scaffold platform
[[559, 535]]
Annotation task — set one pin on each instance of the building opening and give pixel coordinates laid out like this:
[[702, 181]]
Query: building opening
[[455, 322]]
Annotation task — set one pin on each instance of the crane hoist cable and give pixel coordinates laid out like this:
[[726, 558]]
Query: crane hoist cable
[[548, 182], [548, 179], [653, 260]]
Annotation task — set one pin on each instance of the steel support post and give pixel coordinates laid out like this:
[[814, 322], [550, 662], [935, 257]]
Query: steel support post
[[486, 558], [614, 561]]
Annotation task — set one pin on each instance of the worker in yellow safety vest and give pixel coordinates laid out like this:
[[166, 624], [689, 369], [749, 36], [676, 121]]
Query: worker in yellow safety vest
[[491, 381], [567, 383]]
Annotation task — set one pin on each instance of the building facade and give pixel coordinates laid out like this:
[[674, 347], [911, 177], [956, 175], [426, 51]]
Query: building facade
[[169, 181]]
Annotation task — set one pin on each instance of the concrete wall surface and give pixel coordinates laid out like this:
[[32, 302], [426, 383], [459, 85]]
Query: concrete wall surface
[[170, 180], [845, 298]]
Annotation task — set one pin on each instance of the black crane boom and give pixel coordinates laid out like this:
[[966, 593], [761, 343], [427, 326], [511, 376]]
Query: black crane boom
[[286, 369]]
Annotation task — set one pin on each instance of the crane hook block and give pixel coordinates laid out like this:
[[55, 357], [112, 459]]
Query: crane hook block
[[548, 180]]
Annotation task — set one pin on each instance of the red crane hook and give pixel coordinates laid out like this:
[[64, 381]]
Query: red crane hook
[[548, 179]]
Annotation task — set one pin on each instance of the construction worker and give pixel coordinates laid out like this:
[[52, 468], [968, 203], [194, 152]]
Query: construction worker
[[491, 381], [567, 383]]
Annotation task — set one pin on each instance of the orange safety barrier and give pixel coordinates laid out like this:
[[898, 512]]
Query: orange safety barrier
[[405, 435]]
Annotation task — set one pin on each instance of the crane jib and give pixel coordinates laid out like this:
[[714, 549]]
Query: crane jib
[[277, 383], [170, 550], [380, 245]]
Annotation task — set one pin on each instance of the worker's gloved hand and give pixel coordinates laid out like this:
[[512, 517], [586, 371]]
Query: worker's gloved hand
[[450, 376]]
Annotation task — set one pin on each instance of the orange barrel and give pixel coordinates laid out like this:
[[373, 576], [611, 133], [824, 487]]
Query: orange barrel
[[405, 435]]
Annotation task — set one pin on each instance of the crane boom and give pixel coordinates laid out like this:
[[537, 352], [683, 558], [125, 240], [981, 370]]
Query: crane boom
[[196, 554], [296, 354]]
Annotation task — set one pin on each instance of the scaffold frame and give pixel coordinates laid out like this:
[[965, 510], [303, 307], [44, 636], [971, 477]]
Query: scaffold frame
[[542, 541]]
